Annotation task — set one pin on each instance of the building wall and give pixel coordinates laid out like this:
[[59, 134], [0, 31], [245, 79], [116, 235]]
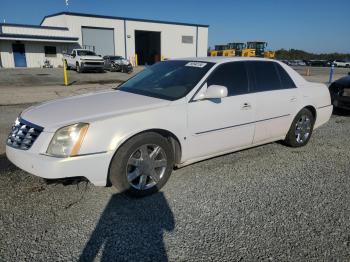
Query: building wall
[[35, 53], [202, 41], [9, 29], [171, 35], [6, 55], [75, 23]]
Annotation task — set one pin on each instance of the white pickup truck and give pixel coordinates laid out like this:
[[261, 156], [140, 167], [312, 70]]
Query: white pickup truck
[[341, 63], [83, 60]]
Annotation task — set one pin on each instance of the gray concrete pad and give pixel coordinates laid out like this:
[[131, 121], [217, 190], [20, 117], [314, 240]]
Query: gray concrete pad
[[34, 94], [320, 74], [54, 77]]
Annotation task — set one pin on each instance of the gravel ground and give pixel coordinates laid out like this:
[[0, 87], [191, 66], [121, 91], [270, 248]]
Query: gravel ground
[[267, 203]]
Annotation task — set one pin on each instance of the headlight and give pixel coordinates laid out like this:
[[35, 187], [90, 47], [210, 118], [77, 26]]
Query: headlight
[[67, 140]]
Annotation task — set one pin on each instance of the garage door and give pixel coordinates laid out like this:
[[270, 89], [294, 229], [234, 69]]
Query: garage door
[[99, 39]]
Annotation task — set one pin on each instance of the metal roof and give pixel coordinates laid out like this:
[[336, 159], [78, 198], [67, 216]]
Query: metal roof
[[38, 37], [35, 26], [122, 18]]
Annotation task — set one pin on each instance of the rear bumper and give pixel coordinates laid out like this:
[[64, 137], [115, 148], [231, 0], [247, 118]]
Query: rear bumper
[[323, 114], [94, 166]]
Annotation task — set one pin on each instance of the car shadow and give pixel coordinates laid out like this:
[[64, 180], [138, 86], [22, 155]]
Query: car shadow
[[131, 229], [5, 164]]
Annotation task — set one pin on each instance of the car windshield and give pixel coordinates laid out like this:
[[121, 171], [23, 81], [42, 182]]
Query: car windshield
[[168, 80], [115, 57], [85, 52]]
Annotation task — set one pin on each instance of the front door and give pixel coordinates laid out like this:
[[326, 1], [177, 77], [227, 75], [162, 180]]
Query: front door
[[219, 125], [19, 55]]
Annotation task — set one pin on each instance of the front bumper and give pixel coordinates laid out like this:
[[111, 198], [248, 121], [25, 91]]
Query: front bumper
[[342, 102], [93, 166], [92, 65]]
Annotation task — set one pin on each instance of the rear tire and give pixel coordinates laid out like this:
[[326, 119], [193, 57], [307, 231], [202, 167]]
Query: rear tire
[[301, 129], [142, 165]]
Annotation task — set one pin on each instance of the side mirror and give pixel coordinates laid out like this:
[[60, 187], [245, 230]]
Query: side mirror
[[212, 92]]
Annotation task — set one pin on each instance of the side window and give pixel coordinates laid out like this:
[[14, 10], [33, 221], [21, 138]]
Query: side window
[[233, 76], [266, 76], [286, 80]]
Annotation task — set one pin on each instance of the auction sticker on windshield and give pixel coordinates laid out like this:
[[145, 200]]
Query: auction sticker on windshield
[[196, 64]]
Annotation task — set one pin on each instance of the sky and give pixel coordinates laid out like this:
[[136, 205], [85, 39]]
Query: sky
[[311, 25]]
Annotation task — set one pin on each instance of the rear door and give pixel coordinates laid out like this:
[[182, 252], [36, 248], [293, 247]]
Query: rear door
[[218, 125], [276, 100]]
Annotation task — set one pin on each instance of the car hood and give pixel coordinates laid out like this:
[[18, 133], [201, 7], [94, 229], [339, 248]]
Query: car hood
[[344, 81], [91, 57], [88, 108]]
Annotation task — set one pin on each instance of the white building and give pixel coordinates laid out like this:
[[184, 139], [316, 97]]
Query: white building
[[151, 40]]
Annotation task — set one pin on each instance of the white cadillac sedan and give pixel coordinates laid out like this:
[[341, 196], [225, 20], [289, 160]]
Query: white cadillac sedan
[[173, 113]]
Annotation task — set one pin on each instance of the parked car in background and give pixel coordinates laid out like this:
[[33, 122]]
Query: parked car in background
[[285, 61], [84, 60], [300, 63], [292, 63], [318, 63], [172, 113], [341, 63], [117, 64], [340, 93]]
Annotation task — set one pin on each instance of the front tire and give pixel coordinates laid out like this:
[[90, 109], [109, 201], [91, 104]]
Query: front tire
[[301, 129], [67, 66], [79, 69], [142, 165]]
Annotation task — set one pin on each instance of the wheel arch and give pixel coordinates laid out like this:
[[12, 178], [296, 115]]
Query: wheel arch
[[312, 110], [173, 139]]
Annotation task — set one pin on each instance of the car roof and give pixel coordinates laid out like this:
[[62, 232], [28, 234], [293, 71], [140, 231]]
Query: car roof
[[223, 59]]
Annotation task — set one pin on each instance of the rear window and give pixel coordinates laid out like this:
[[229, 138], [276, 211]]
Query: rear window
[[266, 76], [286, 80], [85, 52]]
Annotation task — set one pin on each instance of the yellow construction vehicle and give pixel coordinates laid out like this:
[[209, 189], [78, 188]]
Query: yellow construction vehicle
[[257, 48], [252, 49], [237, 47], [270, 54], [228, 52], [218, 51]]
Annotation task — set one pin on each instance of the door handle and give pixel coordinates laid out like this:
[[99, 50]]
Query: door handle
[[246, 106], [293, 99]]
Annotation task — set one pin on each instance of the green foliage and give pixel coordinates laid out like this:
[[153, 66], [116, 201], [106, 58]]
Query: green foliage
[[293, 54]]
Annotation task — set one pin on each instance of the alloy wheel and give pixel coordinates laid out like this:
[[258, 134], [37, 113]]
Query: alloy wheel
[[303, 129], [146, 166]]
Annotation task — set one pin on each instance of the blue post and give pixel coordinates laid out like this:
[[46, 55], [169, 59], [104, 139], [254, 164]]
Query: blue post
[[331, 72]]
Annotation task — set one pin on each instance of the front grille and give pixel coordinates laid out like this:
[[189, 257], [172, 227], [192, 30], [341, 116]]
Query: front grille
[[93, 63], [23, 134]]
